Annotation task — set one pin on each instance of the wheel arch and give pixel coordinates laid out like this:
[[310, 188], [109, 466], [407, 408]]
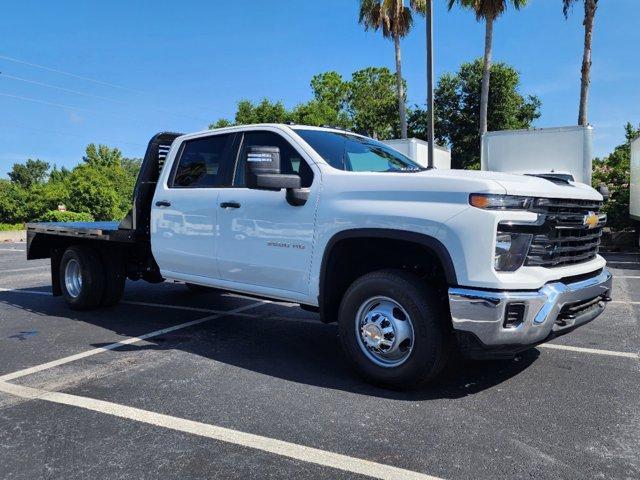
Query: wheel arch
[[330, 293]]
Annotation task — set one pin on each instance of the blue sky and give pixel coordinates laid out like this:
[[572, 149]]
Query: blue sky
[[180, 65]]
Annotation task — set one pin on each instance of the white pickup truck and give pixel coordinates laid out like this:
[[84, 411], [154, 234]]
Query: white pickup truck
[[412, 263]]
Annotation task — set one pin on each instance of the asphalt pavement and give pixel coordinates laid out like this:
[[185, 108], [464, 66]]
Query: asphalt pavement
[[175, 385]]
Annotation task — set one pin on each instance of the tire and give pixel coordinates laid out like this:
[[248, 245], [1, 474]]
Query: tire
[[195, 288], [114, 278], [403, 298], [84, 264]]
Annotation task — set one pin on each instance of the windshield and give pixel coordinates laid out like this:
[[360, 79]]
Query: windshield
[[356, 154]]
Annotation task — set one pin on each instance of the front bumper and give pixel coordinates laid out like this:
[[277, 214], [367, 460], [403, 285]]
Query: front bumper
[[483, 320]]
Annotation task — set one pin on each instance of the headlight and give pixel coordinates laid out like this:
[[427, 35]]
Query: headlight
[[500, 202], [511, 251]]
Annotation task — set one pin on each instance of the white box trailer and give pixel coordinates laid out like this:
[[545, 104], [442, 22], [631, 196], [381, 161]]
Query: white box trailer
[[418, 151], [634, 185], [541, 150]]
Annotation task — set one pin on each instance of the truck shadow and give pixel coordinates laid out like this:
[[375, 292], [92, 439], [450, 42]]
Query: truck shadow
[[305, 352]]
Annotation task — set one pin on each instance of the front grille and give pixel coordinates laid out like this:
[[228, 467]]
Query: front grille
[[565, 239]]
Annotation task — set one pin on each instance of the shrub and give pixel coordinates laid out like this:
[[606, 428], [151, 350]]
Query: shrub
[[58, 216], [4, 227]]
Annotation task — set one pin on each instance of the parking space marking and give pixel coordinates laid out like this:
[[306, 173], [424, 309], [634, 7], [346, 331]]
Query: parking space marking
[[30, 292], [12, 250], [595, 351], [622, 263], [209, 310], [128, 341], [274, 446], [26, 269], [238, 312], [626, 276]]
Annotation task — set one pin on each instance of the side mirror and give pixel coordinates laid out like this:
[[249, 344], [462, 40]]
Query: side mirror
[[603, 189], [263, 170]]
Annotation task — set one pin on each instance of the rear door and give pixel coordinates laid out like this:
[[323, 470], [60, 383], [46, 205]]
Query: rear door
[[185, 207], [264, 241]]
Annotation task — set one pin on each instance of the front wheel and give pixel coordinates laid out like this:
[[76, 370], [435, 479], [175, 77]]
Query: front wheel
[[393, 328]]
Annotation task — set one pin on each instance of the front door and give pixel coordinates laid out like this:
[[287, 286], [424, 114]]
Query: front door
[[185, 207], [263, 239]]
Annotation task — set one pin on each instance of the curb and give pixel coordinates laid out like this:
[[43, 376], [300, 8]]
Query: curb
[[13, 236]]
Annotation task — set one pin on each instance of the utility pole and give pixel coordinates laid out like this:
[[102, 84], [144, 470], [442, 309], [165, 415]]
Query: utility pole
[[430, 134]]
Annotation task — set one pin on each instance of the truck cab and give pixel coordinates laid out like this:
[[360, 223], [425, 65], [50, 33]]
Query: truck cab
[[412, 263]]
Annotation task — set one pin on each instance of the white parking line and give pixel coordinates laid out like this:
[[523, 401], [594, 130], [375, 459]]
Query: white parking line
[[626, 276], [304, 320], [11, 250], [30, 292], [622, 263], [15, 270], [128, 341], [590, 350], [245, 315], [249, 440]]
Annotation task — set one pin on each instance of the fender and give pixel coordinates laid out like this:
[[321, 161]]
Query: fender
[[430, 243]]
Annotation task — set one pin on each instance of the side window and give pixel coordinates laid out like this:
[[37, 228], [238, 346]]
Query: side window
[[202, 162], [290, 160]]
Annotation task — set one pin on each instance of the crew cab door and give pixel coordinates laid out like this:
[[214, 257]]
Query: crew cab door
[[264, 241], [184, 209]]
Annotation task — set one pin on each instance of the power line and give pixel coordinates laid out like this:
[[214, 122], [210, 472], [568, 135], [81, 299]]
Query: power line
[[100, 97], [66, 134], [44, 102], [63, 89], [69, 74]]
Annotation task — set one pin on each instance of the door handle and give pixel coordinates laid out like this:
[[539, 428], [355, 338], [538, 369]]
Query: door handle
[[230, 205], [163, 203]]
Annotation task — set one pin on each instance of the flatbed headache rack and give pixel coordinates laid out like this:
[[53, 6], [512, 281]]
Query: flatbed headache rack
[[134, 228]]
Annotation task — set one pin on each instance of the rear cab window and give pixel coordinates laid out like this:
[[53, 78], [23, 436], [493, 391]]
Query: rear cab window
[[203, 162]]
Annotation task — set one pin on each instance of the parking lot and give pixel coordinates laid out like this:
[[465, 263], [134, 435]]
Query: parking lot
[[172, 384]]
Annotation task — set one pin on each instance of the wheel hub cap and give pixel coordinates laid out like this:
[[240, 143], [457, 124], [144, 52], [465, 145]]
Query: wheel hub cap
[[73, 278], [385, 332]]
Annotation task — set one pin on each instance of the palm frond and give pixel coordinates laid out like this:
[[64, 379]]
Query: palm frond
[[566, 7], [485, 9]]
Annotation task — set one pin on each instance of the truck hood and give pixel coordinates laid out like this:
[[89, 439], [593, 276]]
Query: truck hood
[[515, 184]]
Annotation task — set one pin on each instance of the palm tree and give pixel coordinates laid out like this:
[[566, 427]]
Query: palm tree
[[590, 7], [395, 20], [489, 11]]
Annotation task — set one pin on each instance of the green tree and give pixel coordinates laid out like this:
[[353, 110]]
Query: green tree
[[367, 103], [613, 171], [489, 11], [394, 19], [13, 199], [457, 98], [221, 123], [372, 104], [102, 155], [131, 166], [32, 172], [590, 7], [92, 190], [59, 175], [248, 112]]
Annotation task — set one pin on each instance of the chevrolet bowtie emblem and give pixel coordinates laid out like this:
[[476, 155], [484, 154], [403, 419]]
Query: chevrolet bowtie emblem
[[590, 220]]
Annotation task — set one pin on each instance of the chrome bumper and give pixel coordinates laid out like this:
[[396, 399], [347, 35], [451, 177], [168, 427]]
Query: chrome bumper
[[482, 313]]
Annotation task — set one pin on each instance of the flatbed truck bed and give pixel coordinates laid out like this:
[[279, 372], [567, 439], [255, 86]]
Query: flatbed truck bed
[[107, 231]]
